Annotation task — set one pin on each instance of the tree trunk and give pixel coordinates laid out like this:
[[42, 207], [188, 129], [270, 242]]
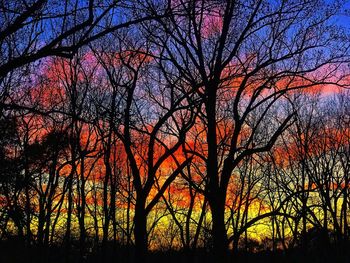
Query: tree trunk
[[220, 241], [216, 196], [82, 206], [140, 232]]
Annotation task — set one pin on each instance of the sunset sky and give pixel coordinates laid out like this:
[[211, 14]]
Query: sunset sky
[[204, 128]]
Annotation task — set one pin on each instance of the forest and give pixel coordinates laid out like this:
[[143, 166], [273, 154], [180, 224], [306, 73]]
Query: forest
[[174, 131]]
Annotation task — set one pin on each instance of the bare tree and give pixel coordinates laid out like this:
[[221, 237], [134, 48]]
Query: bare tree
[[31, 30], [155, 121], [241, 67]]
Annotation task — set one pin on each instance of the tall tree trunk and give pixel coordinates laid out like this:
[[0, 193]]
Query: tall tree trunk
[[67, 237], [140, 232], [106, 207], [220, 241], [27, 209], [82, 208], [113, 210], [216, 196]]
